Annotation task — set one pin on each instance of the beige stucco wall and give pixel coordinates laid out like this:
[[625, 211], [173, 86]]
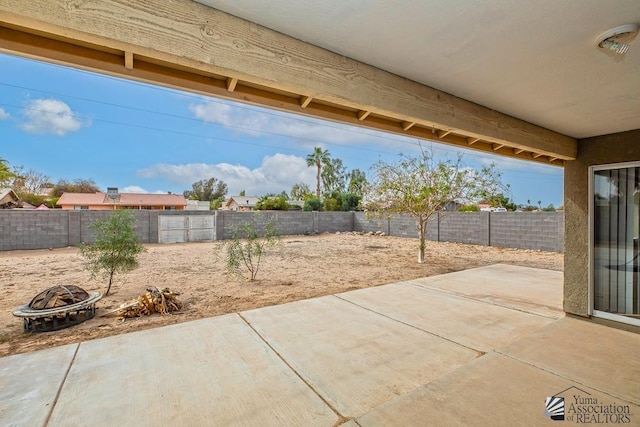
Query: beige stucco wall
[[614, 148]]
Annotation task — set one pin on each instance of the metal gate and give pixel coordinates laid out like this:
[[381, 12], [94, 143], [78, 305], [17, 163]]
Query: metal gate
[[186, 228]]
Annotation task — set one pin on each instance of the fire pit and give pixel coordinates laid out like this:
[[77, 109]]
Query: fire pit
[[57, 308]]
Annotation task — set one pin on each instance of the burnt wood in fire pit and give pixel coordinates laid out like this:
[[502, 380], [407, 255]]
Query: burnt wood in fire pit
[[57, 308]]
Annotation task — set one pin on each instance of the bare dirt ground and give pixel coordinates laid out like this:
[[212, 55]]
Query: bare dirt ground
[[304, 267]]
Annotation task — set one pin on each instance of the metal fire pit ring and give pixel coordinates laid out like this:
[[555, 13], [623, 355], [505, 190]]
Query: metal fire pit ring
[[53, 319]]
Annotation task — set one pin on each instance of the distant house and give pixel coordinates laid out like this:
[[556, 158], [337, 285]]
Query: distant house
[[197, 205], [112, 199], [241, 203], [8, 199]]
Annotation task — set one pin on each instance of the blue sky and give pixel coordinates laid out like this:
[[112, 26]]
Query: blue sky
[[71, 124]]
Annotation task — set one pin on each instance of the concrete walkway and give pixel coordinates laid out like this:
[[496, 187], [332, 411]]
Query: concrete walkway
[[484, 346]]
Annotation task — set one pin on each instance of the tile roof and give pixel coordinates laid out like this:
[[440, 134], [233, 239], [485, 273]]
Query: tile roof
[[124, 199]]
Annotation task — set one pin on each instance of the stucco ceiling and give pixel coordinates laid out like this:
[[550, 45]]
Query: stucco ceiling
[[534, 60]]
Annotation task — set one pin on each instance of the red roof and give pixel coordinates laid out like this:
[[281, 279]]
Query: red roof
[[124, 199]]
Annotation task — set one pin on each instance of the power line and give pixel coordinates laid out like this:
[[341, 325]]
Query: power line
[[288, 116]]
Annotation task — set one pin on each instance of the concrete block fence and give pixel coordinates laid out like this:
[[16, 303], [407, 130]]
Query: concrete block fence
[[57, 228]]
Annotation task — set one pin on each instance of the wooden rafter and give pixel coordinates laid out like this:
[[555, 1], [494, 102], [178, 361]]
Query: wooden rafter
[[232, 82], [363, 114], [305, 101], [471, 141], [496, 147], [443, 133], [128, 60], [407, 125], [517, 151]]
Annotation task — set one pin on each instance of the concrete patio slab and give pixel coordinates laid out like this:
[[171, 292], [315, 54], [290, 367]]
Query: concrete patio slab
[[354, 358], [208, 372], [29, 384], [493, 390], [598, 356], [400, 354], [528, 289], [472, 323]]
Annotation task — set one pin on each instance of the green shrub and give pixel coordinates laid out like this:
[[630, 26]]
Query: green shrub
[[349, 202], [312, 204], [331, 204], [116, 247]]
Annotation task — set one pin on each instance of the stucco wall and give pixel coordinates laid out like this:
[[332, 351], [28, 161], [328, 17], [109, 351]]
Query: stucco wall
[[614, 148]]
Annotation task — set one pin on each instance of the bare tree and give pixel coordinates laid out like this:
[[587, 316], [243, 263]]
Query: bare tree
[[421, 186], [29, 182]]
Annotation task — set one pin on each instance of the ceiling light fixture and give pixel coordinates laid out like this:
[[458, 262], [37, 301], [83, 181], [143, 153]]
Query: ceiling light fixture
[[617, 39]]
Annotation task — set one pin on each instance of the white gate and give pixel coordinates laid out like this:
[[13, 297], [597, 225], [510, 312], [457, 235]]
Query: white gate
[[186, 228]]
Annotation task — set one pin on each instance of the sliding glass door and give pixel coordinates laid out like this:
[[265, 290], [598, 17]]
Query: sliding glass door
[[615, 213]]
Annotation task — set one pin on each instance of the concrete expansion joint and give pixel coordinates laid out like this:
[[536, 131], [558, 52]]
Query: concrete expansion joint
[[614, 396], [341, 418], [479, 352], [64, 379], [441, 291]]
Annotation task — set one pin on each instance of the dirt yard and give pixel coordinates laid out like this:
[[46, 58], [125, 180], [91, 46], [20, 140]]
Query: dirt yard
[[304, 267]]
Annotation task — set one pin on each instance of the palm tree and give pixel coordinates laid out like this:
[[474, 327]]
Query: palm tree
[[318, 158]]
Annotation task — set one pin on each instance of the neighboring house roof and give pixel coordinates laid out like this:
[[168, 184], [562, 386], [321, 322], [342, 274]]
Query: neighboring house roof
[[123, 199], [81, 199], [243, 201], [7, 195], [152, 199]]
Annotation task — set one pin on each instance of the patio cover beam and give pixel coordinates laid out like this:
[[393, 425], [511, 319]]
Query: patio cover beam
[[186, 45]]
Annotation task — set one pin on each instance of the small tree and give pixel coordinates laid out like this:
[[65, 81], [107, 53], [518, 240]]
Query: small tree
[[357, 182], [248, 246], [420, 186], [116, 246], [206, 190], [77, 186], [300, 191]]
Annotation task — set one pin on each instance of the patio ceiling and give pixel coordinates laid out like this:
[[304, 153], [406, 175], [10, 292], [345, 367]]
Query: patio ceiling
[[502, 77], [534, 60]]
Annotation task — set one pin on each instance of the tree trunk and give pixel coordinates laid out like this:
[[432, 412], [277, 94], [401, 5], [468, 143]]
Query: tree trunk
[[110, 281], [318, 180], [421, 232]]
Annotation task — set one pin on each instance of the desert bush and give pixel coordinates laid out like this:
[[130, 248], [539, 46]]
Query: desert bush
[[248, 246]]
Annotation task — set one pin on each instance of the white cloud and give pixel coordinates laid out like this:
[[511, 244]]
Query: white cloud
[[276, 173], [509, 164], [306, 132], [3, 114], [139, 190], [50, 116]]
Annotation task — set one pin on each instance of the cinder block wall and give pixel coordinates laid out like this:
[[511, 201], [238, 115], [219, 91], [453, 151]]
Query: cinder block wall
[[465, 227], [33, 229], [286, 223], [523, 230], [54, 229], [57, 228], [538, 230]]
